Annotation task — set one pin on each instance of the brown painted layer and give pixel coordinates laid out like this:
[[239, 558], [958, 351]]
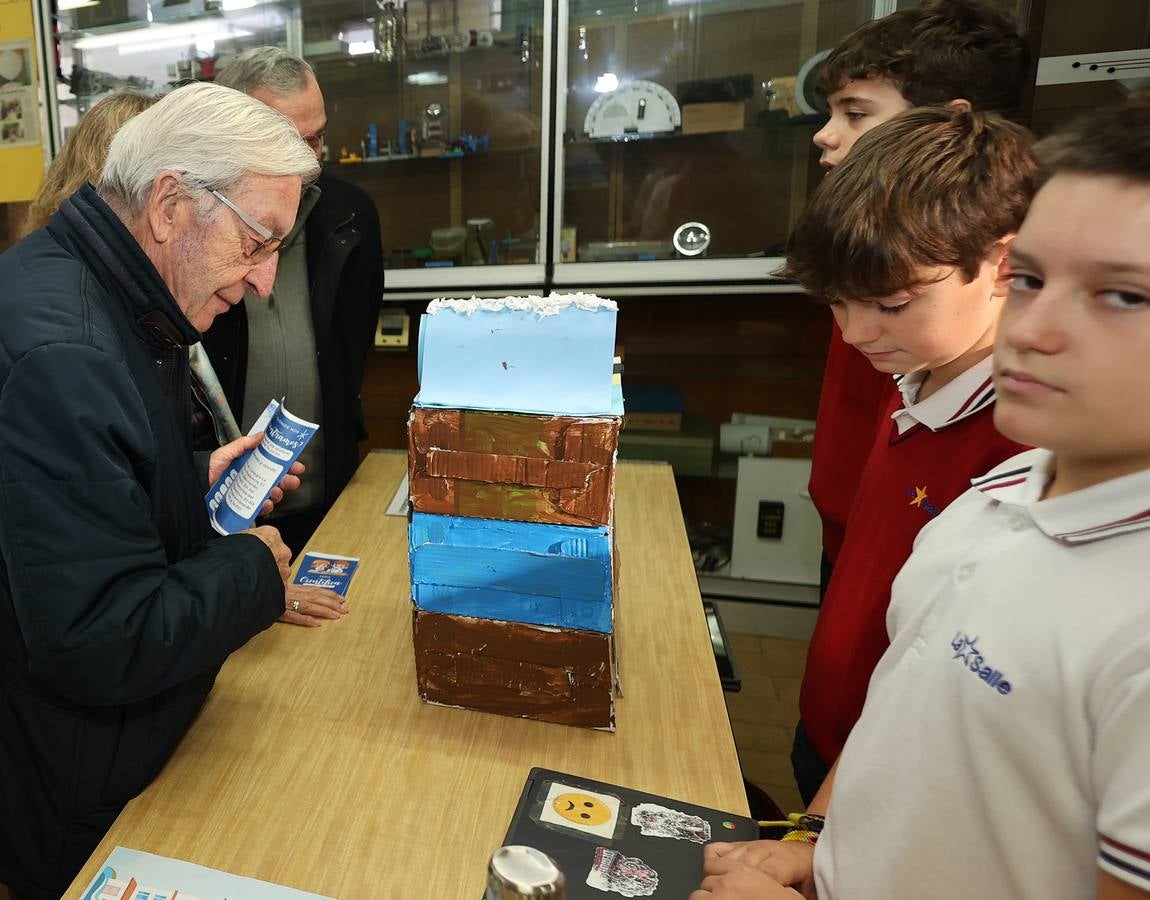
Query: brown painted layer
[[562, 676], [558, 470]]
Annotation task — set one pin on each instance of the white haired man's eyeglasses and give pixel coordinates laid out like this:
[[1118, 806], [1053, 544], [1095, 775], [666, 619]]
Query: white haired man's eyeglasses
[[268, 246]]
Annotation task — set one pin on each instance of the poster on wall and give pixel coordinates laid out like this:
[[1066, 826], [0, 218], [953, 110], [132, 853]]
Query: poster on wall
[[22, 157], [19, 107]]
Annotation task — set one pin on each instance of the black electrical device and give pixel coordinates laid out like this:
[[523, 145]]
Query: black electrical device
[[770, 523]]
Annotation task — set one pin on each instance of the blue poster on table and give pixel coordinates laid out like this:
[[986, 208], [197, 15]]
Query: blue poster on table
[[327, 570]]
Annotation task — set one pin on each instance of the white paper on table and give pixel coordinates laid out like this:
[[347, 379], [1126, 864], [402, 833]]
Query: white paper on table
[[161, 878], [398, 504]]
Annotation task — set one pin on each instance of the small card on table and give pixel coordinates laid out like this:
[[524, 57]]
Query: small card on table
[[327, 570]]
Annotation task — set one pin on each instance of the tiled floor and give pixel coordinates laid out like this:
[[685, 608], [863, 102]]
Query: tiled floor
[[764, 713]]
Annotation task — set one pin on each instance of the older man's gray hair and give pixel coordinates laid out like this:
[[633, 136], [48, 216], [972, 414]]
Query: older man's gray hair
[[273, 68], [212, 136]]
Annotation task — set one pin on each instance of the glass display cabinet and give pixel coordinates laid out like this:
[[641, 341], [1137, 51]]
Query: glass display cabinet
[[436, 109], [685, 143], [659, 146]]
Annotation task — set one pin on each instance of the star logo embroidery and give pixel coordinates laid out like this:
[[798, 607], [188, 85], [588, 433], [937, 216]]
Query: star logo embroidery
[[965, 648], [919, 497]]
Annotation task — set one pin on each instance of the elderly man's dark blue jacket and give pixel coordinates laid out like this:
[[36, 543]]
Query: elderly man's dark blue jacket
[[117, 606]]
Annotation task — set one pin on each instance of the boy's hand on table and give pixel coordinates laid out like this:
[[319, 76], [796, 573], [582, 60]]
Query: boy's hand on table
[[786, 862], [742, 882], [306, 604]]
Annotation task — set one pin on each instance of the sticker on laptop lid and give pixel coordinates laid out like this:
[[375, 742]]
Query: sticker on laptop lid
[[627, 875], [590, 813], [659, 821]]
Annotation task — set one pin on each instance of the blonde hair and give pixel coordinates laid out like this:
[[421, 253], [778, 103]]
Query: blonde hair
[[82, 157], [211, 135]]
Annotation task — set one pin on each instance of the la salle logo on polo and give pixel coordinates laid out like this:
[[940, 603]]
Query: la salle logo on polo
[[966, 652]]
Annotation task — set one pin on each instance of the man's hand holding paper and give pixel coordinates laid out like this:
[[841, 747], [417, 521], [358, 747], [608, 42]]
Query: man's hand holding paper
[[255, 473], [223, 457]]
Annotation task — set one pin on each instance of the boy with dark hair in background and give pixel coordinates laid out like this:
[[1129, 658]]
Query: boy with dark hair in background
[[1002, 750], [965, 54], [907, 240]]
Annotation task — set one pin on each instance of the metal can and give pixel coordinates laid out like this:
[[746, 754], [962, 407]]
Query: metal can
[[516, 873]]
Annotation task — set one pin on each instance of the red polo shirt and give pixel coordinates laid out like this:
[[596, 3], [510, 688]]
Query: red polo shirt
[[853, 397], [909, 478]]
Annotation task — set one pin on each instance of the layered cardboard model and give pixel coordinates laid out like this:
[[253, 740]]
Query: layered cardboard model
[[554, 469], [551, 674], [543, 355], [519, 571], [512, 447]]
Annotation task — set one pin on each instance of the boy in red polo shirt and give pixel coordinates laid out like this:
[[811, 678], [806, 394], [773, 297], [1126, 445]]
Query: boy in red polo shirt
[[960, 53], [907, 240]]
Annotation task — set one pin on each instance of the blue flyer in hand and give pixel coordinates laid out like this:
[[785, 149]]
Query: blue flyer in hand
[[239, 493], [327, 570]]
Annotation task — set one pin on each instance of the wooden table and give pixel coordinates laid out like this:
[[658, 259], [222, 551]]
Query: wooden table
[[315, 765]]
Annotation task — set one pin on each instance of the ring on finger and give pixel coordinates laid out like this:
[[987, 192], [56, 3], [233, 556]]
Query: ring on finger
[[295, 606]]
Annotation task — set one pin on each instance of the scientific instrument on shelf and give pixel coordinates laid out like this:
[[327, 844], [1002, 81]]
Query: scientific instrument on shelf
[[633, 110]]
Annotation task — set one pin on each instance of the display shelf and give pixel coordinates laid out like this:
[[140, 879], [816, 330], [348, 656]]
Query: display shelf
[[338, 166], [808, 123], [721, 586]]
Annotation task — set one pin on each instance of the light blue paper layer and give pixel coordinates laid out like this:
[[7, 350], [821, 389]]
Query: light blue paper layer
[[518, 362], [525, 572]]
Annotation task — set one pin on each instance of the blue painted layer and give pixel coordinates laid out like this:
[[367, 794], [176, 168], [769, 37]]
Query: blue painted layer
[[518, 362], [526, 572]]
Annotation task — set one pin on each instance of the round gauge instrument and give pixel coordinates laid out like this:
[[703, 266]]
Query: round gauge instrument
[[632, 110], [692, 239]]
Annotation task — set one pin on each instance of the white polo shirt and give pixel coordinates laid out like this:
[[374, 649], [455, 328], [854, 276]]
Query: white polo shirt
[[1004, 749]]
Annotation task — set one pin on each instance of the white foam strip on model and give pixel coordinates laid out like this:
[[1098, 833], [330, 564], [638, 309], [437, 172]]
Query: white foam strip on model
[[541, 306]]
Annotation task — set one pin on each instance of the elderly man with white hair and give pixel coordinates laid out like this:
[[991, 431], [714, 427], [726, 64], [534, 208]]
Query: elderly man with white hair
[[118, 604]]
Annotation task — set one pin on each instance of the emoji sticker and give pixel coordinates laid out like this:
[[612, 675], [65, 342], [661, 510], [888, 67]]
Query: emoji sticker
[[580, 810], [626, 875]]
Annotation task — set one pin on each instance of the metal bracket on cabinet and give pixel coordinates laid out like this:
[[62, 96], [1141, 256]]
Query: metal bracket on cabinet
[[1116, 65]]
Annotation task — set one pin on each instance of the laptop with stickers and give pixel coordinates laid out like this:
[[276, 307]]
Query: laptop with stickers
[[612, 841]]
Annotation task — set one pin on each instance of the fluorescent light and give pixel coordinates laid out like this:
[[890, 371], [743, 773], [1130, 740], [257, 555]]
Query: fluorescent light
[[360, 48], [427, 78], [166, 42], [606, 83], [150, 34]]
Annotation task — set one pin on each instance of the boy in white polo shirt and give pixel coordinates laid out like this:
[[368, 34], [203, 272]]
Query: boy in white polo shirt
[[1004, 748]]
